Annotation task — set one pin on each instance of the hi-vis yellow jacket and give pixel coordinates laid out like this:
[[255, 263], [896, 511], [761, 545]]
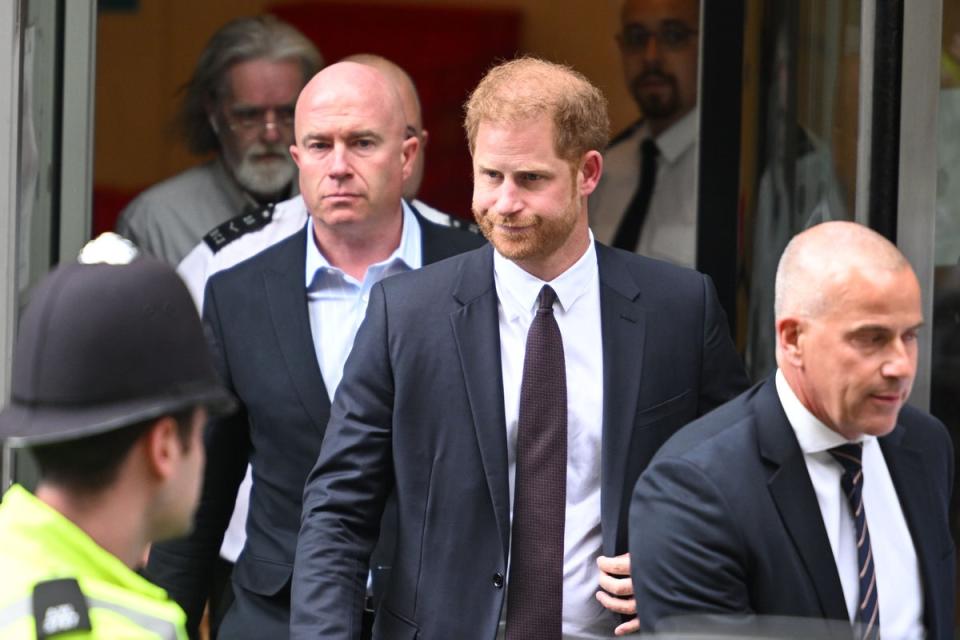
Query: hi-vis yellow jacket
[[56, 582]]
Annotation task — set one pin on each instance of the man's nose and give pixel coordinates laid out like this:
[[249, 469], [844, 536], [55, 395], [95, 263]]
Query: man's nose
[[508, 199], [651, 50], [901, 361], [270, 132], [339, 162]]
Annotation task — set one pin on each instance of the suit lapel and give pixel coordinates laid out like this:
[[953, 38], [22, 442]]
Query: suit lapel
[[476, 330], [622, 326], [286, 296], [792, 492], [915, 491]]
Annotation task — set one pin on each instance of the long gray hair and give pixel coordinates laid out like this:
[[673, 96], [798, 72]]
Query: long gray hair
[[240, 40]]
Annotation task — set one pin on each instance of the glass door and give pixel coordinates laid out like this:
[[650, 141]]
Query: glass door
[[47, 79]]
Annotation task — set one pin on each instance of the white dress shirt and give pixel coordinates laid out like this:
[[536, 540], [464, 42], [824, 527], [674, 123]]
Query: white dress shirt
[[899, 588], [337, 302], [577, 312], [670, 228]]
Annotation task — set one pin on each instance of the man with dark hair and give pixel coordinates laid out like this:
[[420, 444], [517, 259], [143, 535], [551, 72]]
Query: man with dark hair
[[111, 387], [238, 105], [646, 200], [90, 464], [510, 397], [281, 324]]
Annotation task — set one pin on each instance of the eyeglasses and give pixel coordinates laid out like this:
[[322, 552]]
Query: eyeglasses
[[670, 36], [250, 119]]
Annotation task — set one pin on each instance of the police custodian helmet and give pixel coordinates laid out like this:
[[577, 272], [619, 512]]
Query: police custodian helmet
[[104, 346]]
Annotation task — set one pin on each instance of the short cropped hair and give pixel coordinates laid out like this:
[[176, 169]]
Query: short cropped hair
[[254, 38], [91, 464], [813, 257], [529, 87]]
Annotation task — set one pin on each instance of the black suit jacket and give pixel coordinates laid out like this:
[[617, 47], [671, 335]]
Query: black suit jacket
[[726, 521], [258, 327], [421, 409]]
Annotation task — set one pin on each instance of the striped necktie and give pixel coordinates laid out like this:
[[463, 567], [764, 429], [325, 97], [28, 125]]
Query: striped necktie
[[868, 607]]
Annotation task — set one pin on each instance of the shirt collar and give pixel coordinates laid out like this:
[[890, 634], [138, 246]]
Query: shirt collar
[[682, 135], [812, 434], [408, 253], [518, 290]]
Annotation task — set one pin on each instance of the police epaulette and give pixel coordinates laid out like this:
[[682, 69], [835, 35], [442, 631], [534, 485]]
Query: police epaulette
[[459, 223], [222, 235], [59, 607]]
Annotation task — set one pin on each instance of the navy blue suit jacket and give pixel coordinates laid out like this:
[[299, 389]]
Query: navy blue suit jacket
[[421, 409], [726, 521], [258, 327]]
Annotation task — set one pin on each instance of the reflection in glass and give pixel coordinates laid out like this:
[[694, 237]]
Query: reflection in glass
[[646, 199], [945, 360], [804, 155]]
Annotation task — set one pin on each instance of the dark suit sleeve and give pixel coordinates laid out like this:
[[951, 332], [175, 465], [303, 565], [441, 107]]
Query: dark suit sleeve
[[345, 493], [722, 376], [184, 567], [686, 557]]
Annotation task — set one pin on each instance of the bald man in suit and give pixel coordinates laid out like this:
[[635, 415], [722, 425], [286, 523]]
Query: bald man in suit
[[817, 494]]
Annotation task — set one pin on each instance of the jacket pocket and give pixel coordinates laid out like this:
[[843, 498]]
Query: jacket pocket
[[667, 407], [263, 577], [390, 625]]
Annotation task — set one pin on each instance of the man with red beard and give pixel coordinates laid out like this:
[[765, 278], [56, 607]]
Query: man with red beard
[[239, 105], [510, 397], [646, 199]]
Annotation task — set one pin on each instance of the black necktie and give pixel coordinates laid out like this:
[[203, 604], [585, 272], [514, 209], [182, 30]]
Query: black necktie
[[535, 588], [868, 607], [628, 233]]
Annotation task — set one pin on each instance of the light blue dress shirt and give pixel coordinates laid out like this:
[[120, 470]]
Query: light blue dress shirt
[[337, 302]]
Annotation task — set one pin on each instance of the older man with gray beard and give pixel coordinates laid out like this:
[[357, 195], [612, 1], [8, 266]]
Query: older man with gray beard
[[238, 104]]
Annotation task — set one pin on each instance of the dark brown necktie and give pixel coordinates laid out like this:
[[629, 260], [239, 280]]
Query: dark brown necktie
[[535, 587], [628, 233], [868, 606]]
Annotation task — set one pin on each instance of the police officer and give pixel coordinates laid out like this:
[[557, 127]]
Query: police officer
[[111, 387]]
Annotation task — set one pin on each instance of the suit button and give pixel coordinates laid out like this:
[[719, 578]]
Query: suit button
[[498, 580]]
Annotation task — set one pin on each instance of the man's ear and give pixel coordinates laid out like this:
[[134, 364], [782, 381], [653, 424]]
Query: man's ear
[[790, 339], [210, 107], [408, 153], [295, 154], [591, 167], [162, 447]]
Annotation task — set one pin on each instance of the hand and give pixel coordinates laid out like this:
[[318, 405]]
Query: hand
[[616, 591]]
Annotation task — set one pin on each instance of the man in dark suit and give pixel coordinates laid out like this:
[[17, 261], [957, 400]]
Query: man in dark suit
[[511, 438], [280, 326], [816, 494]]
